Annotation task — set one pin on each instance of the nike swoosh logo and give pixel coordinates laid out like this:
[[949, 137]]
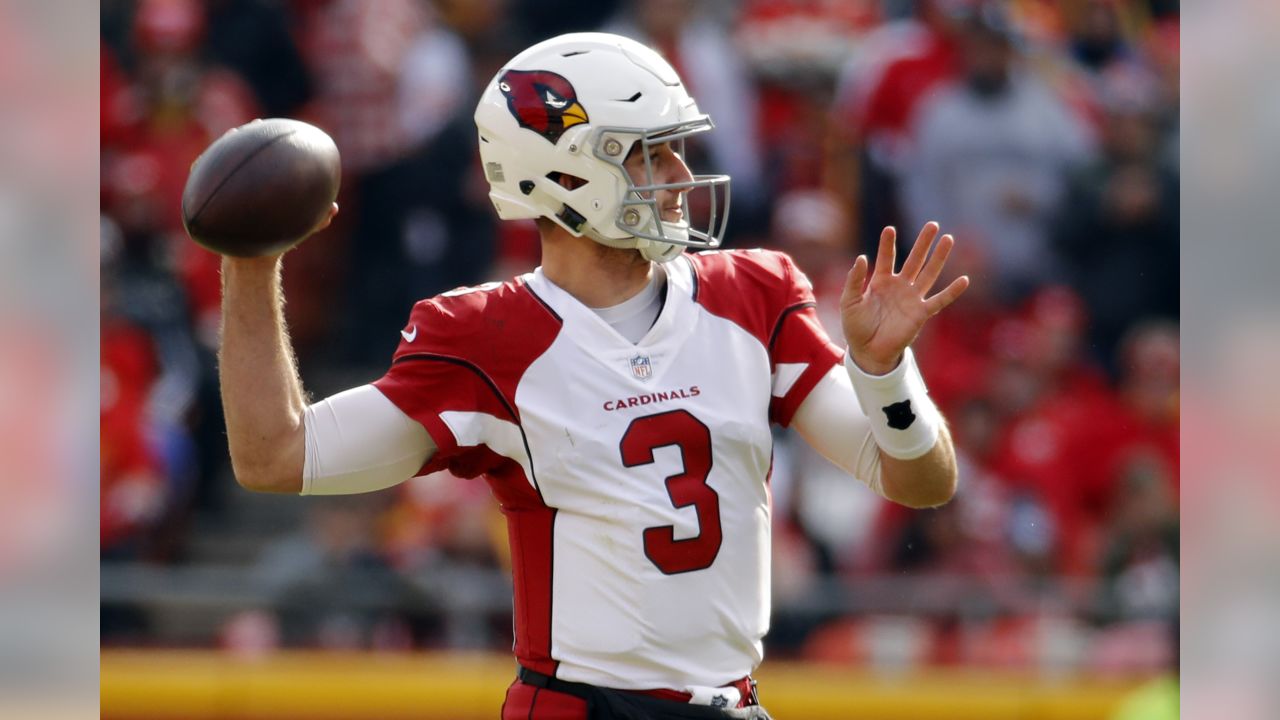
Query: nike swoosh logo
[[409, 336]]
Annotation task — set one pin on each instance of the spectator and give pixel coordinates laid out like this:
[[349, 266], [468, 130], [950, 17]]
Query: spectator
[[120, 111], [435, 83], [991, 157], [1140, 557], [332, 587], [1162, 49], [393, 80], [797, 131], [253, 39], [183, 101], [894, 69], [356, 51], [175, 105], [1119, 225], [795, 50], [1144, 423], [426, 225], [447, 531], [132, 479], [797, 39], [1053, 403], [1100, 34], [143, 297], [132, 492], [958, 350]]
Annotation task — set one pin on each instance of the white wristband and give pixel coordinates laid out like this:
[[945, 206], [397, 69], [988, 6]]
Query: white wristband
[[904, 421]]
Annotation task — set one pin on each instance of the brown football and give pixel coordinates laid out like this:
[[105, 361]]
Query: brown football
[[261, 187]]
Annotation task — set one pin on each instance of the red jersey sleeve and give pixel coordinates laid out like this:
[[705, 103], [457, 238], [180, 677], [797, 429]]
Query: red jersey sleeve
[[463, 352], [800, 351], [766, 294]]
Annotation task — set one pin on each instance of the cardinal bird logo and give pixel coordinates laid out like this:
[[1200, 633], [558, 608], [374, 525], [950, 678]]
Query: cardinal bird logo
[[542, 101]]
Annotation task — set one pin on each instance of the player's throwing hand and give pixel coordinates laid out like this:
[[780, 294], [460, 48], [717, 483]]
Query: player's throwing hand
[[882, 312]]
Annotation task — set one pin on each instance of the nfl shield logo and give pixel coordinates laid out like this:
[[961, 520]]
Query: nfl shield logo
[[641, 367]]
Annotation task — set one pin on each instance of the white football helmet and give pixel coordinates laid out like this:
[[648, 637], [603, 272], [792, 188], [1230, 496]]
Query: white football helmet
[[575, 105]]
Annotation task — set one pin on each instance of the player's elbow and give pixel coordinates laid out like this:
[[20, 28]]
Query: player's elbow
[[263, 478], [919, 484], [268, 463], [935, 493]]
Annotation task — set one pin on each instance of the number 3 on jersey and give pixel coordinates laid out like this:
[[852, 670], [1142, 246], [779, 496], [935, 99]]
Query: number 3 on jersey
[[679, 428]]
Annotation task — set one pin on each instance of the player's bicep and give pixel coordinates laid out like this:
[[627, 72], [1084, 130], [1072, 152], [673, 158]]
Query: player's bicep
[[831, 420], [359, 441]]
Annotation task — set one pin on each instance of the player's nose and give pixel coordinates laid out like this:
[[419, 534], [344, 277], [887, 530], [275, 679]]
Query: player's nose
[[674, 168]]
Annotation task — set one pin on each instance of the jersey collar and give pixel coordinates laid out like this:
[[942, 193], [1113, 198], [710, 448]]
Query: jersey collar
[[587, 329]]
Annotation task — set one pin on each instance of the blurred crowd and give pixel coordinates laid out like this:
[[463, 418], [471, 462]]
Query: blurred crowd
[[1042, 133]]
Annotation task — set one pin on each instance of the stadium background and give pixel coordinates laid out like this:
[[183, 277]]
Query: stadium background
[[1048, 588]]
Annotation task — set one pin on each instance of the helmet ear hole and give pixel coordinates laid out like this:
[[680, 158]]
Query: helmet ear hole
[[565, 180]]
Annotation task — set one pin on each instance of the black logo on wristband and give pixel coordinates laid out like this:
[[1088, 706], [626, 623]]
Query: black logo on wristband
[[899, 415]]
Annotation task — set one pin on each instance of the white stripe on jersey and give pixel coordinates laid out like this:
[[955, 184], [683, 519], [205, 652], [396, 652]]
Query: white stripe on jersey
[[502, 436], [785, 376]]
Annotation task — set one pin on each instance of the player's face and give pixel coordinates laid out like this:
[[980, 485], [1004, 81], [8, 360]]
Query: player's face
[[668, 167]]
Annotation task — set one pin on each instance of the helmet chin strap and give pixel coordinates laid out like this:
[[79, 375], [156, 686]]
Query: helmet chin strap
[[664, 251], [658, 251], [652, 250]]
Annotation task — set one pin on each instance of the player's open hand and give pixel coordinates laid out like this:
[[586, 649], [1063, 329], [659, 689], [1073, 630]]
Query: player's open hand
[[882, 311]]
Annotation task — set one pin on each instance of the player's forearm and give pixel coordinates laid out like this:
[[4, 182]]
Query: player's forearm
[[887, 433], [926, 481], [262, 396]]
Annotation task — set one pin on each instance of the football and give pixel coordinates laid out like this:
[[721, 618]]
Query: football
[[261, 188]]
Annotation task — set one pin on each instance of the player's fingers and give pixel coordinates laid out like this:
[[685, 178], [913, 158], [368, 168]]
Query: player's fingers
[[919, 251], [939, 302], [884, 258], [932, 269], [856, 281]]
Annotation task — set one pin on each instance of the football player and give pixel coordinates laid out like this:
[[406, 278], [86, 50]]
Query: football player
[[618, 399]]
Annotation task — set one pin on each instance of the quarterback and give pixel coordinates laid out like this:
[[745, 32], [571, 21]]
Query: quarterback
[[618, 399]]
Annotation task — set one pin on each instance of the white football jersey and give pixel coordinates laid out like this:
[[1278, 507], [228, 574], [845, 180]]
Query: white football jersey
[[634, 477]]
